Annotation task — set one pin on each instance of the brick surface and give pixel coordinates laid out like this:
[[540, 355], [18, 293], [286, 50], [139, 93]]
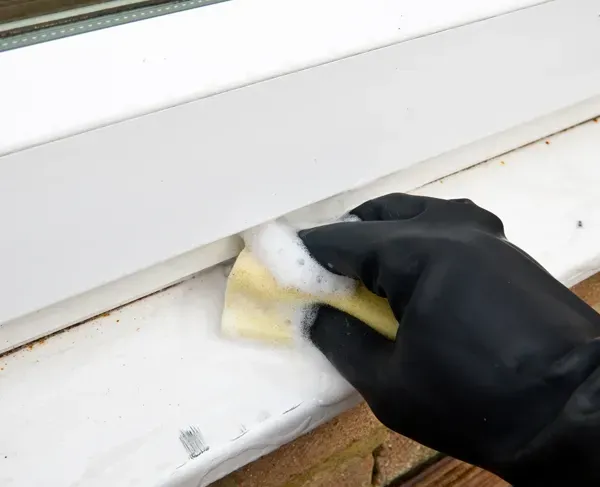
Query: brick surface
[[397, 456], [589, 291], [354, 472], [356, 428]]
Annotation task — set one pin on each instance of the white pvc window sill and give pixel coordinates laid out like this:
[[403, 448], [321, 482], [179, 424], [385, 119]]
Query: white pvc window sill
[[107, 401], [96, 220]]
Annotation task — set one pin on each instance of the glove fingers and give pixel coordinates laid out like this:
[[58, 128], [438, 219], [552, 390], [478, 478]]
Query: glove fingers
[[344, 247], [355, 250], [393, 206], [400, 206], [358, 352]]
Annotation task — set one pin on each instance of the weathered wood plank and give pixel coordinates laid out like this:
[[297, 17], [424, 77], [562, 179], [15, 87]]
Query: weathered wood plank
[[450, 472]]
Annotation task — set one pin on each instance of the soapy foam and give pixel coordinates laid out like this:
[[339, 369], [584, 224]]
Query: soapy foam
[[278, 247], [349, 217]]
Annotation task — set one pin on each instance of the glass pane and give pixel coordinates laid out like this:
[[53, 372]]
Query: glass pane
[[26, 22]]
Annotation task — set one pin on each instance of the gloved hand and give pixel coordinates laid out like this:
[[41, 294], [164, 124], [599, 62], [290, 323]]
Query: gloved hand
[[495, 362]]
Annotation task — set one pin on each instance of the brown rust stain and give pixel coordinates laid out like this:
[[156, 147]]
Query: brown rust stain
[[491, 159], [29, 346]]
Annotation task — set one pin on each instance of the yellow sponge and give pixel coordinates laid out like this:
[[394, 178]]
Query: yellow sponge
[[258, 307]]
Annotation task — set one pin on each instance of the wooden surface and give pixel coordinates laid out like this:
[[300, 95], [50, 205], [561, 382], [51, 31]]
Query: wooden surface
[[450, 472]]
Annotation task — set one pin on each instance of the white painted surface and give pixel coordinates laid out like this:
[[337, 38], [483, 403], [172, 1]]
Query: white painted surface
[[96, 208], [102, 404], [67, 86]]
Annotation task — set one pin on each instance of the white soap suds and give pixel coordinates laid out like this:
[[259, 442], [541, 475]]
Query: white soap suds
[[279, 249], [349, 217], [277, 246]]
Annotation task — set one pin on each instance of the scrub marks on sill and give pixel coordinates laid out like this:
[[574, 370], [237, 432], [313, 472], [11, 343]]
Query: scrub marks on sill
[[275, 288], [192, 440]]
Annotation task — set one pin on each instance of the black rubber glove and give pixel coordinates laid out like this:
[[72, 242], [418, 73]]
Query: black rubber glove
[[495, 362]]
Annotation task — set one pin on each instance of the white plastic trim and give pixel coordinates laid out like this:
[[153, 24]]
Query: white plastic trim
[[136, 199], [67, 86]]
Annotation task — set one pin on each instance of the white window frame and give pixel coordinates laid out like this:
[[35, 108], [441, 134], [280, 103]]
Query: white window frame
[[130, 159]]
